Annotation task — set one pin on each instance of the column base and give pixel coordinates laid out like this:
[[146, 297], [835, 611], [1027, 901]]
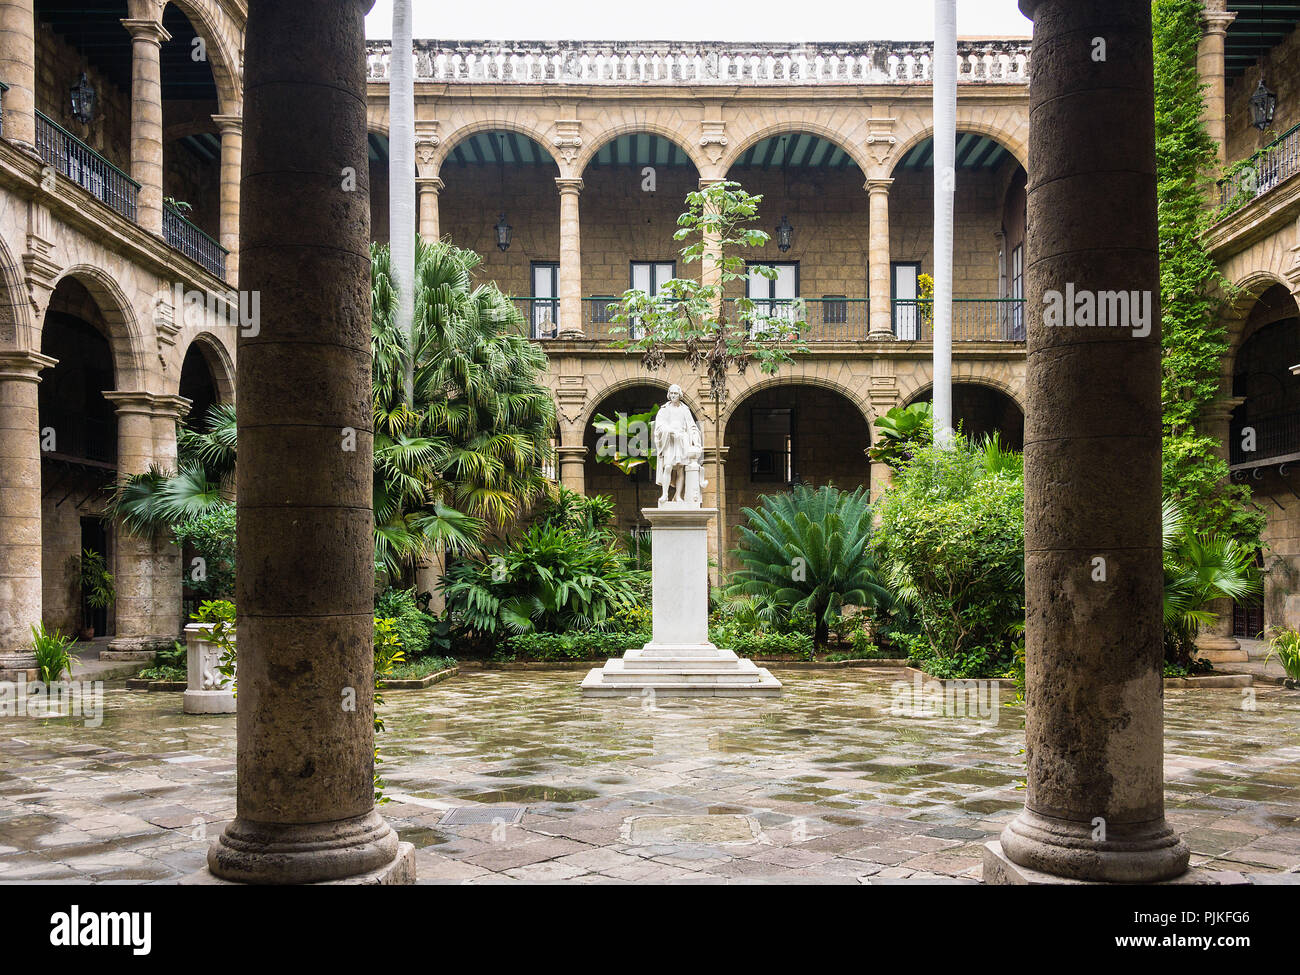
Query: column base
[[1000, 871], [208, 702], [1138, 854], [17, 666], [1218, 649], [136, 647], [362, 850]]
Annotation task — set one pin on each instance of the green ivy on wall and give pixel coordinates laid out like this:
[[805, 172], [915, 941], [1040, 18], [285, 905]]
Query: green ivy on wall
[[1195, 341]]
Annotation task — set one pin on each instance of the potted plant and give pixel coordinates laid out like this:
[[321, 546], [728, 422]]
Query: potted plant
[[97, 589]]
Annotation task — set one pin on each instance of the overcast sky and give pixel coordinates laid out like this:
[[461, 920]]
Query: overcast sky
[[698, 20]]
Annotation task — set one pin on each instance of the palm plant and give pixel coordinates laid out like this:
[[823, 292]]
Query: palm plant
[[808, 551], [550, 580], [1197, 570], [468, 451]]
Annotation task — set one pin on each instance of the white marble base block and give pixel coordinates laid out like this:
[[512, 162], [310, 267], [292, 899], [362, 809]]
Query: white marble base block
[[206, 691], [679, 660]]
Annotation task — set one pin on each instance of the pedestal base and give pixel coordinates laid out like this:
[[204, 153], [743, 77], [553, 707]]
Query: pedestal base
[[208, 702], [135, 647], [1144, 853], [345, 851], [699, 670], [1218, 649], [1000, 871], [398, 873], [17, 667]]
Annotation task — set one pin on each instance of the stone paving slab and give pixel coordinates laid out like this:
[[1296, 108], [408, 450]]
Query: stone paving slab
[[828, 784]]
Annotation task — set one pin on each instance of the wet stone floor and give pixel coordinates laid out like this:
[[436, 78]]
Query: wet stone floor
[[511, 777]]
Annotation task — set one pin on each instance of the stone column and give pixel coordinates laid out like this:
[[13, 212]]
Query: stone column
[[167, 602], [573, 467], [882, 324], [146, 119], [18, 71], [1094, 807], [305, 807], [1210, 68], [20, 509], [715, 496], [135, 556], [232, 151], [429, 187], [570, 257]]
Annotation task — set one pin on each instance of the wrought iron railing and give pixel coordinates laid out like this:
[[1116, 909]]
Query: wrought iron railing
[[193, 242], [84, 166], [541, 315], [1261, 172], [973, 320], [1269, 437], [3, 88]]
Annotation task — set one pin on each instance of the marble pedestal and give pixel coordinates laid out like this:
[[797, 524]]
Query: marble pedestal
[[679, 660], [206, 692]]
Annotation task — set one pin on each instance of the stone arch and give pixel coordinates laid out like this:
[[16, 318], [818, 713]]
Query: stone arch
[[219, 363], [1013, 393], [1014, 144], [629, 382], [227, 72], [636, 127], [463, 132], [790, 127], [1012, 430], [125, 336], [799, 379], [15, 310], [1247, 291]]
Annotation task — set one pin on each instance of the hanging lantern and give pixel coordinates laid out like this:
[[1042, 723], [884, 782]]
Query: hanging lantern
[[784, 234], [1262, 105], [83, 100], [504, 230]]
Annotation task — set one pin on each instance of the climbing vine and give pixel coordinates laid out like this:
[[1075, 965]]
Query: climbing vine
[[1195, 341]]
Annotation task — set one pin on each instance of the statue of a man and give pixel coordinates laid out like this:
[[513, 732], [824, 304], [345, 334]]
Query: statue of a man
[[677, 440]]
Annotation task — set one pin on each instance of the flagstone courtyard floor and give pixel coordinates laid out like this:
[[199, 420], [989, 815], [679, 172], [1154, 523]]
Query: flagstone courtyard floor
[[508, 777]]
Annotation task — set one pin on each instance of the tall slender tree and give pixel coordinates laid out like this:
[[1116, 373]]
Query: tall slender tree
[[401, 177]]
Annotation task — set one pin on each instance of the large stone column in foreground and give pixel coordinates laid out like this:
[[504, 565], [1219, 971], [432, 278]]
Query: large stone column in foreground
[[1094, 808], [306, 809]]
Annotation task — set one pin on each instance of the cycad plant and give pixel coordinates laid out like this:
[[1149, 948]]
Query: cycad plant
[[1198, 570], [808, 550]]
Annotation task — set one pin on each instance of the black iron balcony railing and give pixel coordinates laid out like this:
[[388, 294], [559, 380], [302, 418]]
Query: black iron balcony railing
[[3, 88], [973, 320], [85, 167], [541, 315], [185, 237], [1261, 172], [1272, 437]]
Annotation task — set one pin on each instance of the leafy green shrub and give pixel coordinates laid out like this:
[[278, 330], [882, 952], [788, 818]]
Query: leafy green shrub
[[751, 644], [577, 512], [218, 616], [171, 665], [96, 582], [807, 551], [414, 628], [901, 432], [952, 538], [53, 654], [212, 537], [420, 667], [591, 645], [549, 580]]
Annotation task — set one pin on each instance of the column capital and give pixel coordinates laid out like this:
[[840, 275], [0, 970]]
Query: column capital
[[433, 184], [1216, 21], [567, 185], [146, 30], [24, 366], [875, 185], [149, 404], [229, 124]]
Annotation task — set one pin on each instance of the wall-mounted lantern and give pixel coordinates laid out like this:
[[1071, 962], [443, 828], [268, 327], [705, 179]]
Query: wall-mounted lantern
[[83, 100]]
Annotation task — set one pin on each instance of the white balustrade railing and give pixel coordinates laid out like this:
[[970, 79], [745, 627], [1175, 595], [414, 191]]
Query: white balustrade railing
[[611, 63]]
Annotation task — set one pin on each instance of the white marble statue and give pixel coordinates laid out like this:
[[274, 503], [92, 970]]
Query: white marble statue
[[678, 448]]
